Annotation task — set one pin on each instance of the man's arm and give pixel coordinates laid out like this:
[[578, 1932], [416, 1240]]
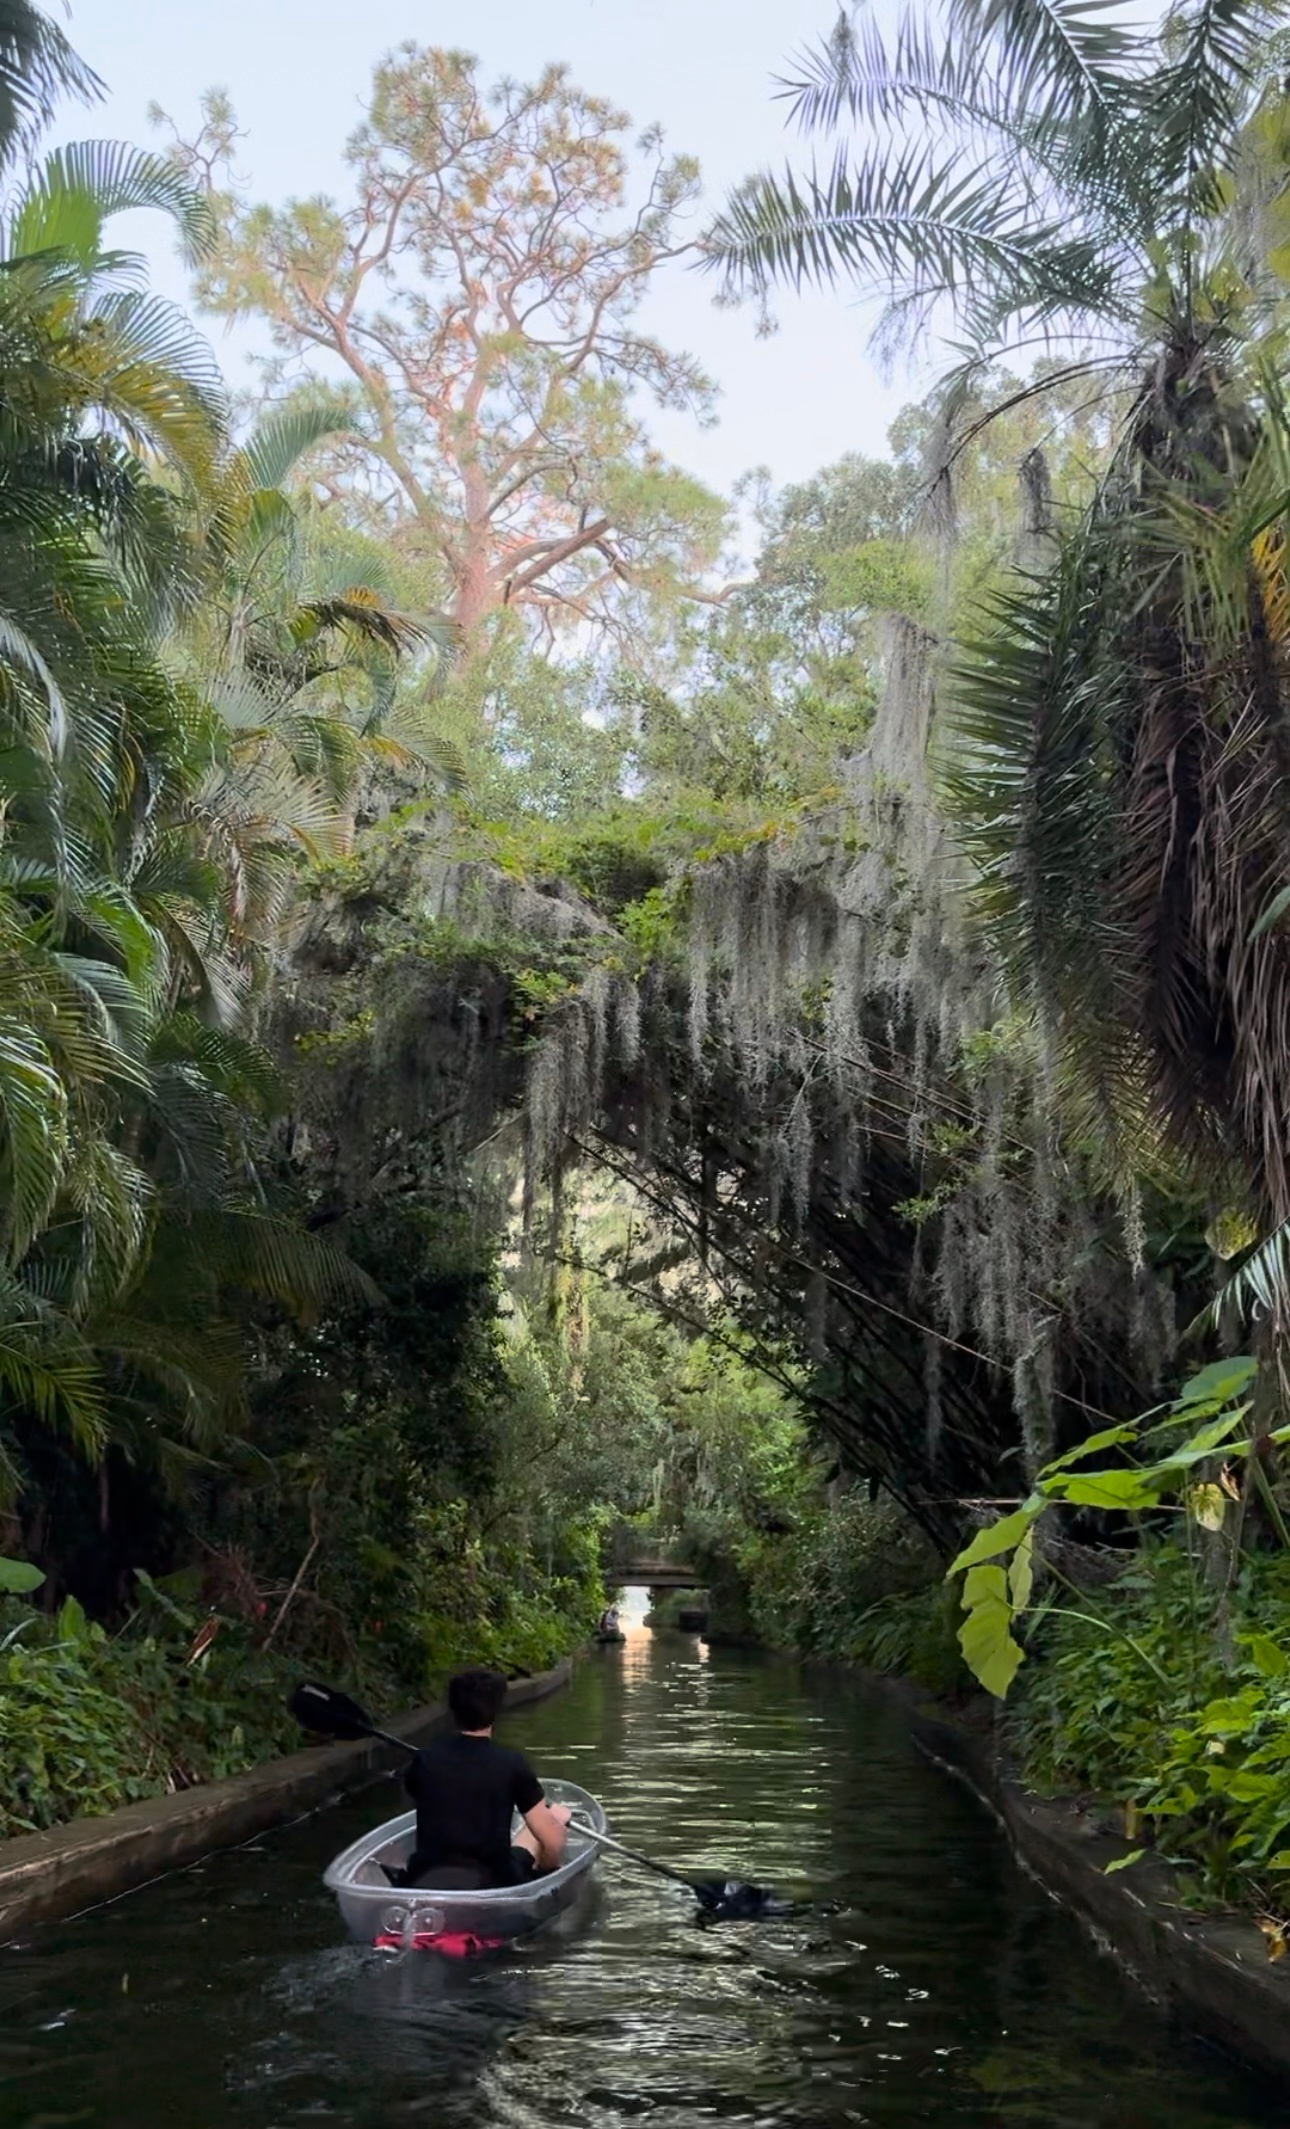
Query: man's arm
[[548, 1824]]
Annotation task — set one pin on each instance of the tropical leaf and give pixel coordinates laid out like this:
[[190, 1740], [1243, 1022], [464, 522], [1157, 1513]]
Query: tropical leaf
[[902, 219], [18, 1578], [46, 1368], [361, 612], [1060, 58], [1257, 1289], [1011, 67], [81, 186], [37, 67], [34, 1109], [260, 1254], [285, 435], [1195, 103], [152, 375]]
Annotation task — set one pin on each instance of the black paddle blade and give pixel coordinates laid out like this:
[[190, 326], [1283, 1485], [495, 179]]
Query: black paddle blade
[[730, 1900], [328, 1713]]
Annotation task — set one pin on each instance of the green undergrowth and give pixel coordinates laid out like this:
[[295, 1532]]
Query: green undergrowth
[[1166, 1701], [672, 1602], [90, 1721], [629, 861], [914, 1636], [856, 1582]]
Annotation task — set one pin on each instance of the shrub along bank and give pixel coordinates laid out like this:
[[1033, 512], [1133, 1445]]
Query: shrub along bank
[[828, 1572], [1167, 1702], [1159, 1697], [1161, 1703], [1155, 1691], [92, 1719]]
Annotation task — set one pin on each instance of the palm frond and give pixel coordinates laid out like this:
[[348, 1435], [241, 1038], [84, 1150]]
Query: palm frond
[[113, 1199], [47, 1369], [81, 186], [33, 1119], [154, 378], [1257, 1288], [282, 437], [262, 1255], [1026, 73], [37, 67], [905, 221], [1062, 62], [193, 1364], [410, 729], [18, 649], [1196, 102], [229, 1062], [363, 613]]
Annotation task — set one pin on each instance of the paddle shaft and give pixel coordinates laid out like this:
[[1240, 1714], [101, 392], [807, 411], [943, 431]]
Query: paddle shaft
[[387, 1737], [607, 1840]]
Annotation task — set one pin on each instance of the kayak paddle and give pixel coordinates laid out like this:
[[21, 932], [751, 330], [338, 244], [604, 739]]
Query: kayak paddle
[[331, 1714], [729, 1899]]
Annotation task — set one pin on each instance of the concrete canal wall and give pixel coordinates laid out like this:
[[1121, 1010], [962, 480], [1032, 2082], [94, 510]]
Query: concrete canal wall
[[47, 1876], [1211, 1972]]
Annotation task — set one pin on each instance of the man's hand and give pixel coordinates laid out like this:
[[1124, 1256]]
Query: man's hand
[[547, 1823]]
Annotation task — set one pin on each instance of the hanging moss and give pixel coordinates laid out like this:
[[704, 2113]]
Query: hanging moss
[[808, 1061]]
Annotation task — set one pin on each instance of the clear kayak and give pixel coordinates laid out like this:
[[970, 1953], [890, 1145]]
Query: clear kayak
[[428, 1917]]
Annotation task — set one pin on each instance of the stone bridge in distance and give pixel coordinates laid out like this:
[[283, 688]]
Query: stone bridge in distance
[[636, 1558], [652, 1574]]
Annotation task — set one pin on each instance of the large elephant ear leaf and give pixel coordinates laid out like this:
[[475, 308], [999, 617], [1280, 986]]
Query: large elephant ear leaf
[[986, 1638], [18, 1578]]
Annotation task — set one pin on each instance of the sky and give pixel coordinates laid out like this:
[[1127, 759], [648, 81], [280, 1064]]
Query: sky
[[297, 71]]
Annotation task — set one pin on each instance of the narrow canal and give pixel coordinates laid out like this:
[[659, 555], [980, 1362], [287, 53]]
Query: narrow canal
[[942, 1989]]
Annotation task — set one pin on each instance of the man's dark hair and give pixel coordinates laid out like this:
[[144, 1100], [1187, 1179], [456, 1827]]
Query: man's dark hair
[[475, 1698]]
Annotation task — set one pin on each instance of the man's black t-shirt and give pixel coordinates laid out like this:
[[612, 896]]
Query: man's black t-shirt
[[465, 1789]]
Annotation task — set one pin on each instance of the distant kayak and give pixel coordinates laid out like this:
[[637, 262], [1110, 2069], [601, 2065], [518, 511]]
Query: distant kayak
[[612, 1638], [447, 1918]]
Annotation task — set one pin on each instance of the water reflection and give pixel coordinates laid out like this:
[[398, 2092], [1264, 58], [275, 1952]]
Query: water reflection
[[634, 1657], [944, 1990]]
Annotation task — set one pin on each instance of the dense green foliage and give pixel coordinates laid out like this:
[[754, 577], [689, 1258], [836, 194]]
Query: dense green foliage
[[853, 1580], [1112, 722], [1165, 1702], [509, 1025], [89, 1721]]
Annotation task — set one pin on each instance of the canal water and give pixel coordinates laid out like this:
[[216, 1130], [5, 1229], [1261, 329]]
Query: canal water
[[933, 1985]]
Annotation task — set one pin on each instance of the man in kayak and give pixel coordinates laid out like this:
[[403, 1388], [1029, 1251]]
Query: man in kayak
[[465, 1788]]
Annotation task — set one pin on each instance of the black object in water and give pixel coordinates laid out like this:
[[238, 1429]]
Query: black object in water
[[730, 1900]]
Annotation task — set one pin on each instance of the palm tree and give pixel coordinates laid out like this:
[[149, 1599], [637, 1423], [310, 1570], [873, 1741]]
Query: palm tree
[[37, 68], [1040, 174], [99, 384], [133, 1209], [1043, 170], [299, 648]]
